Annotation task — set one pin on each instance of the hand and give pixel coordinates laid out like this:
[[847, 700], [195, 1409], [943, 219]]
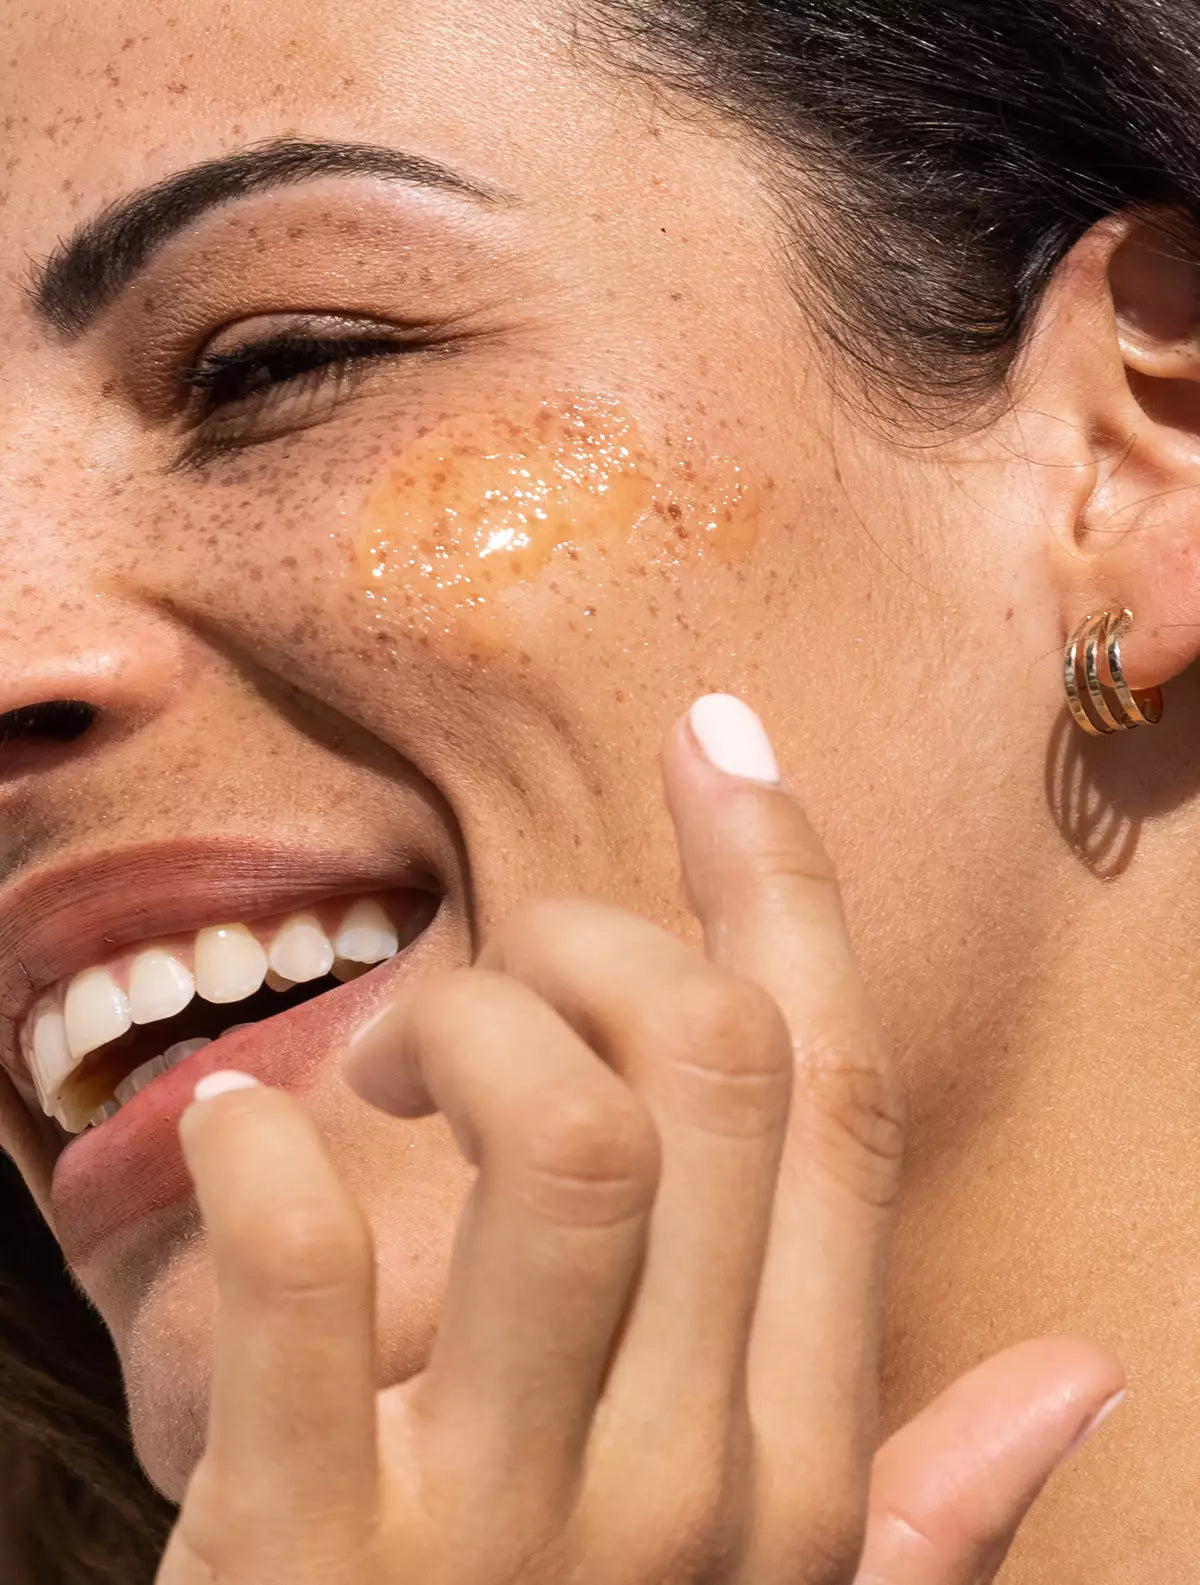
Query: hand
[[657, 1359]]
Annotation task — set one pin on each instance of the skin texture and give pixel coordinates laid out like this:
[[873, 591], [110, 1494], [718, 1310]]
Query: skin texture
[[722, 1129], [894, 612]]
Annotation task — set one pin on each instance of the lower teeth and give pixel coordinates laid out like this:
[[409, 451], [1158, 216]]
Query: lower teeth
[[140, 1077], [343, 969]]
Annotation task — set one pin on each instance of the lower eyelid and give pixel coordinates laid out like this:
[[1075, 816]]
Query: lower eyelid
[[238, 426]]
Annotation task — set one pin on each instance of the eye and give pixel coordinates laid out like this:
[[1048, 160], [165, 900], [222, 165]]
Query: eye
[[278, 383], [226, 378], [278, 375]]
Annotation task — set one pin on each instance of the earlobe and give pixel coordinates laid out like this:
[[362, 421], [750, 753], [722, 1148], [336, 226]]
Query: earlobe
[[1120, 354], [1097, 689]]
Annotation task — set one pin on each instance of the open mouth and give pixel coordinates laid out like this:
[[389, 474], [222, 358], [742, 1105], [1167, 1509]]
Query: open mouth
[[93, 1042]]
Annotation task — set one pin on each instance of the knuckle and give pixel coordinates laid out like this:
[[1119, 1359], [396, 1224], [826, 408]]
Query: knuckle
[[536, 922], [593, 1157], [888, 1519], [858, 1113], [445, 1003], [308, 1252], [732, 1026], [784, 869], [732, 1048]]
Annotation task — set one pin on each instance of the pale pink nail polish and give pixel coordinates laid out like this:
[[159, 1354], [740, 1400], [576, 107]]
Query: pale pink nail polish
[[732, 738], [217, 1083]]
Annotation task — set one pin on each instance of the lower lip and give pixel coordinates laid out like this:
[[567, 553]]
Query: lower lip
[[132, 1165]]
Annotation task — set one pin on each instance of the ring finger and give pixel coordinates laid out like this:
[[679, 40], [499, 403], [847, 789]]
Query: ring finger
[[710, 1057]]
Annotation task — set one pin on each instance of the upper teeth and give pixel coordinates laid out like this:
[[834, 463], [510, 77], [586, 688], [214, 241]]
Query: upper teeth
[[220, 963]]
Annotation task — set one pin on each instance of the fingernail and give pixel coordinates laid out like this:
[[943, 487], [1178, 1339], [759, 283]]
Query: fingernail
[[1094, 1424], [732, 738], [217, 1083]]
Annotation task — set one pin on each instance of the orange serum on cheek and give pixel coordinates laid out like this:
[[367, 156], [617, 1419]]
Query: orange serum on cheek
[[481, 504]]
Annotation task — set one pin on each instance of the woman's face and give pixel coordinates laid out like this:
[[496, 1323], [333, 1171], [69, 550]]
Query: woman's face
[[423, 618]]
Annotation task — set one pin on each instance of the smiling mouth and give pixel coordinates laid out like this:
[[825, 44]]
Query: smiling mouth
[[94, 1041]]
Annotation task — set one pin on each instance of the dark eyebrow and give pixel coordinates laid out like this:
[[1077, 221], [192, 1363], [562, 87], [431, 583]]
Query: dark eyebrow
[[87, 271]]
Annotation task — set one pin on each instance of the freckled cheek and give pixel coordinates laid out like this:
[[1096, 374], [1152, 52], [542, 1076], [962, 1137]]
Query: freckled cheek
[[480, 515], [517, 536]]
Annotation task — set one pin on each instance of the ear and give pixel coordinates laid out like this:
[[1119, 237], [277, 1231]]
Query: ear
[[1108, 394]]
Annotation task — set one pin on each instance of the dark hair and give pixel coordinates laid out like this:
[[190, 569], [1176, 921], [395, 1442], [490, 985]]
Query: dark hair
[[948, 156], [75, 1509], [945, 154]]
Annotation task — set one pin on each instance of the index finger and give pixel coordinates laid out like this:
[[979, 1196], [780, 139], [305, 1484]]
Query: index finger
[[291, 1452], [763, 889]]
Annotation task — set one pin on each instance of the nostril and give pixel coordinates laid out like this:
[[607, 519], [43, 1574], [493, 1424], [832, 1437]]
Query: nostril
[[56, 720]]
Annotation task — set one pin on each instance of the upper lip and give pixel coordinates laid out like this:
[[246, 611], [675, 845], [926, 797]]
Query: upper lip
[[65, 919]]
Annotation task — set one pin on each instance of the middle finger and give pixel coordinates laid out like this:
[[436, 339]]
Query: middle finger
[[710, 1057]]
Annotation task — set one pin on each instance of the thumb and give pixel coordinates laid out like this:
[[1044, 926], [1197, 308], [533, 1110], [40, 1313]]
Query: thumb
[[949, 1490]]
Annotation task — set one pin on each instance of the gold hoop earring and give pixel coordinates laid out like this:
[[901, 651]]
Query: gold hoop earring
[[1115, 707]]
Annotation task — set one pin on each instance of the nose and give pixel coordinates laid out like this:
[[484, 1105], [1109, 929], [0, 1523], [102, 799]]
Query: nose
[[58, 705], [36, 733]]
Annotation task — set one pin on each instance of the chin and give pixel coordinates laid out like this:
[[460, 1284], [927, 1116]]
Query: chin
[[165, 1343]]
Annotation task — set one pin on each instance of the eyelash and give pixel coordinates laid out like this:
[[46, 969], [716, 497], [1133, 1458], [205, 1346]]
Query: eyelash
[[306, 355], [233, 389]]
